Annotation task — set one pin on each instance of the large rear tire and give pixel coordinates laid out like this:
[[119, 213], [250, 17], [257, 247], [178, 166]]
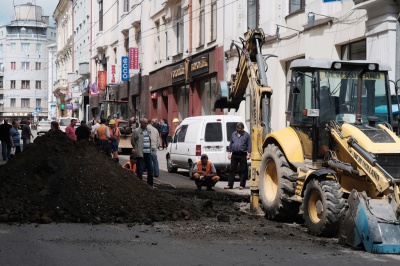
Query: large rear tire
[[323, 206], [277, 185]]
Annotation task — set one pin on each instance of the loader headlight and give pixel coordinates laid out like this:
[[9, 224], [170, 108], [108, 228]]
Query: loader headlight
[[371, 67], [337, 65]]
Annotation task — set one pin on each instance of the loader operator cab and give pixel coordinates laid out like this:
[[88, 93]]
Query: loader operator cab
[[354, 92]]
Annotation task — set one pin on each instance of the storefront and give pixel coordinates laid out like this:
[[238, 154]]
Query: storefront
[[187, 88]]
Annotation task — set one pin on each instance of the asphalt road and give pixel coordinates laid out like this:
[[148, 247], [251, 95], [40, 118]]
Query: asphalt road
[[162, 244]]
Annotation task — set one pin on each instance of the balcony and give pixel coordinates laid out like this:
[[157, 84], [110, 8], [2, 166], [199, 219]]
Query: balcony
[[26, 36]]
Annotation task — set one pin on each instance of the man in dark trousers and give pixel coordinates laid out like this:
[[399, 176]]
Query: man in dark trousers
[[26, 134], [5, 139], [83, 132], [239, 152]]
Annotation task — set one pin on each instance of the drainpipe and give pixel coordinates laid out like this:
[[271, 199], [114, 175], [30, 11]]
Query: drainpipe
[[72, 35], [190, 26]]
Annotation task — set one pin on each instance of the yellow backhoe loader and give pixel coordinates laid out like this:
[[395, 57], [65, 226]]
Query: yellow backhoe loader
[[338, 162]]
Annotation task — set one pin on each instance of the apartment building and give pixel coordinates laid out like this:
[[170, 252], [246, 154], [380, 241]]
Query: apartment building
[[24, 61]]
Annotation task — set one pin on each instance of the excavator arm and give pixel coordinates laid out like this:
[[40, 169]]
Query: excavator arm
[[251, 72]]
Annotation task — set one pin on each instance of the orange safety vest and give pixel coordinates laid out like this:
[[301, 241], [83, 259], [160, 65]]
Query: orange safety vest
[[208, 167], [101, 132], [116, 135], [131, 168]]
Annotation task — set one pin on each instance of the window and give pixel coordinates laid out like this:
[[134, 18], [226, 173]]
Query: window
[[101, 16], [12, 102], [38, 102], [230, 128], [354, 51], [38, 47], [201, 23], [13, 66], [38, 84], [1, 48], [38, 66], [126, 5], [25, 84], [296, 5], [12, 84], [253, 8], [214, 20], [213, 131], [25, 47], [13, 47], [1, 67], [183, 101], [182, 133], [25, 102], [25, 65], [179, 30], [208, 87]]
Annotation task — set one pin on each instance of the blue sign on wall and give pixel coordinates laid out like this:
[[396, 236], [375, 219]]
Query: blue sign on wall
[[125, 68], [327, 1]]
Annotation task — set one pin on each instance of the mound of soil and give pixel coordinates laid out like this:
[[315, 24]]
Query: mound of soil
[[57, 179]]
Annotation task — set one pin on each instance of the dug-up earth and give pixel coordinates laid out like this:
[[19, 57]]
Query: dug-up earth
[[58, 180], [61, 181]]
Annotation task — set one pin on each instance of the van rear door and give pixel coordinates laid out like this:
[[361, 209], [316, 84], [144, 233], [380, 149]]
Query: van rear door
[[214, 144]]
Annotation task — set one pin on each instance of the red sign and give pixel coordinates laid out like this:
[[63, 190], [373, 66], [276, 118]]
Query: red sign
[[113, 73], [133, 58], [101, 80]]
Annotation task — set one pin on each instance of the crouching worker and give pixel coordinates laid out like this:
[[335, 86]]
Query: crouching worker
[[131, 164], [204, 173]]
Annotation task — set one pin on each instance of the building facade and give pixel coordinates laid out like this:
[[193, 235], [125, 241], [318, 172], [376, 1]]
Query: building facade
[[24, 56]]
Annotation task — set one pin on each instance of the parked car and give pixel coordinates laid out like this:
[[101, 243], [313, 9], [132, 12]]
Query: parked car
[[202, 134], [43, 127]]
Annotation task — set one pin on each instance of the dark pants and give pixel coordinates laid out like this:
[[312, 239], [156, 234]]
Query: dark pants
[[142, 162], [164, 136], [236, 158], [5, 149], [206, 182]]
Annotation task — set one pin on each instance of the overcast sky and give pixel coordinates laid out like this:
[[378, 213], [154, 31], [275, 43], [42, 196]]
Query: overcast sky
[[7, 8]]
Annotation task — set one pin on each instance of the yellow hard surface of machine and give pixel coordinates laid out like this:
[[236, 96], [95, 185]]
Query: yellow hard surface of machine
[[338, 162]]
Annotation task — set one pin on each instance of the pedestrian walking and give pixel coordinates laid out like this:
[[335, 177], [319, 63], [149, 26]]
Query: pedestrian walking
[[239, 152], [5, 139], [205, 174], [15, 138], [155, 139], [103, 134], [70, 129], [141, 143], [164, 133], [115, 136], [26, 134], [83, 132]]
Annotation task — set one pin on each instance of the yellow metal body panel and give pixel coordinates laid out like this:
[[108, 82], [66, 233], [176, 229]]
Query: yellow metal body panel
[[289, 141]]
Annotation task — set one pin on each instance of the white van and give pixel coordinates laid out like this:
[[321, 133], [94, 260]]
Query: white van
[[202, 134], [63, 122]]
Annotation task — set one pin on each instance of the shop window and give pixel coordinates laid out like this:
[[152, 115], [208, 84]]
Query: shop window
[[207, 89], [296, 5], [354, 51], [183, 101]]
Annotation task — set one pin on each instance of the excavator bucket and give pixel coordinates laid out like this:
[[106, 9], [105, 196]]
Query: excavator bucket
[[372, 223]]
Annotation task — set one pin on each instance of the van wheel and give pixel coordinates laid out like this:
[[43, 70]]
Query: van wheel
[[277, 185], [170, 168], [190, 169]]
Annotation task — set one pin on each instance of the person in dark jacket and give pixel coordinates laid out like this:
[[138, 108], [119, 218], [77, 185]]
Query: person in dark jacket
[[83, 132], [26, 134], [5, 139]]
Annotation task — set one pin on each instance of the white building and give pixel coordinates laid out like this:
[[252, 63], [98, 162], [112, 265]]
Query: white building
[[25, 60]]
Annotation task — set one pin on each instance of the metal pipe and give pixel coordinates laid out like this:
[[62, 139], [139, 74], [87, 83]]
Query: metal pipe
[[260, 64]]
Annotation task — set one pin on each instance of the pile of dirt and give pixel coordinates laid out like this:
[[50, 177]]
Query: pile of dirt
[[56, 179]]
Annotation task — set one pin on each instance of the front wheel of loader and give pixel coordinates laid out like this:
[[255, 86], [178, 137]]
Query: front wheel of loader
[[277, 185], [323, 205]]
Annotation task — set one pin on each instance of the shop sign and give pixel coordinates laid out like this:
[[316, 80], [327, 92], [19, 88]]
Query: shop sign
[[178, 73], [69, 106], [134, 58], [113, 73], [125, 68], [101, 80], [199, 65]]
